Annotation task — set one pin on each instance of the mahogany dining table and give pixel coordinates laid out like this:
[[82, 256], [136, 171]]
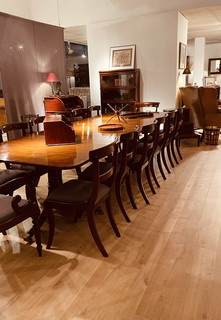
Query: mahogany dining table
[[32, 149]]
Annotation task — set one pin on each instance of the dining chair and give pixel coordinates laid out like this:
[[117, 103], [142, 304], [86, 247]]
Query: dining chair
[[139, 105], [14, 210], [161, 128], [34, 124], [176, 135], [10, 215], [95, 108], [19, 128], [79, 113], [126, 150], [127, 147], [28, 117], [171, 117], [144, 153], [82, 195]]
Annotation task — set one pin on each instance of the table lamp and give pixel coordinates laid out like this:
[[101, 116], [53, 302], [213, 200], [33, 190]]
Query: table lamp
[[51, 78]]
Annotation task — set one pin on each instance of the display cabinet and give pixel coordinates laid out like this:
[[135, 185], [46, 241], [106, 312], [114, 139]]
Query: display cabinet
[[119, 87]]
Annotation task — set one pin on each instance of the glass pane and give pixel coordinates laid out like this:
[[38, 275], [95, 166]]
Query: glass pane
[[118, 80], [215, 66], [119, 95]]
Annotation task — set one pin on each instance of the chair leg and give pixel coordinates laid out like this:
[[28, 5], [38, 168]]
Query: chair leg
[[37, 179], [164, 160], [178, 148], [169, 156], [93, 229], [198, 141], [37, 233], [153, 173], [129, 191], [4, 233], [160, 166], [147, 171], [51, 224], [31, 192], [119, 200], [140, 185], [173, 152], [111, 217]]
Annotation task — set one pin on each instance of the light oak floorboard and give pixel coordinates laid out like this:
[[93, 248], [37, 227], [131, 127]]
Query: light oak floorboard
[[165, 266]]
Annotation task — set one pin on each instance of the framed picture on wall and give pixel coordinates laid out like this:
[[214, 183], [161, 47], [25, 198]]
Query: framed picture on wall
[[182, 55], [209, 81], [122, 57]]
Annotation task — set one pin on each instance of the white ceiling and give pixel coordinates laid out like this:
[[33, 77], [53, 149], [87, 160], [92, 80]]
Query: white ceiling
[[76, 34], [202, 22]]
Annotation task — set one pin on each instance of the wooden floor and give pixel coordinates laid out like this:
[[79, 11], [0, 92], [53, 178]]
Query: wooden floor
[[165, 266]]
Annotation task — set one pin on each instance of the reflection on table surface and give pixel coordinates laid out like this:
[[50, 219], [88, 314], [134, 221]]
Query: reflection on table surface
[[33, 150]]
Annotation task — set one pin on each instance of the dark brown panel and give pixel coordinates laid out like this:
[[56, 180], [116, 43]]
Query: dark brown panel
[[29, 50]]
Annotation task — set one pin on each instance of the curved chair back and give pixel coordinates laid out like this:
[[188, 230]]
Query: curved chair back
[[150, 135], [171, 118], [17, 128], [139, 105], [127, 146], [95, 156]]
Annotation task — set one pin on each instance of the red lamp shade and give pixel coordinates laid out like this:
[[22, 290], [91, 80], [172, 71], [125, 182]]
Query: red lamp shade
[[51, 77]]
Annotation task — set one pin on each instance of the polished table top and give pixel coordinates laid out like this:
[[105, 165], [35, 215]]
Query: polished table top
[[33, 150]]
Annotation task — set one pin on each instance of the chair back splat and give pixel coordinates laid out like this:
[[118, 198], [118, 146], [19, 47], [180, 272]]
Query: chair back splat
[[100, 176], [139, 105], [17, 128]]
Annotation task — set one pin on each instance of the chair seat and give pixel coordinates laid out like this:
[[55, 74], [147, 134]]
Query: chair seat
[[29, 168], [6, 212], [8, 175], [76, 191]]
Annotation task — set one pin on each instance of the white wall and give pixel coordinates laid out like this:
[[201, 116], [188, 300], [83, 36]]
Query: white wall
[[156, 40], [199, 52], [182, 31], [211, 51]]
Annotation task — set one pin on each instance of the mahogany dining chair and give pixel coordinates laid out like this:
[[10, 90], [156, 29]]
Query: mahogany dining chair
[[144, 153], [82, 195], [126, 147], [13, 209]]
